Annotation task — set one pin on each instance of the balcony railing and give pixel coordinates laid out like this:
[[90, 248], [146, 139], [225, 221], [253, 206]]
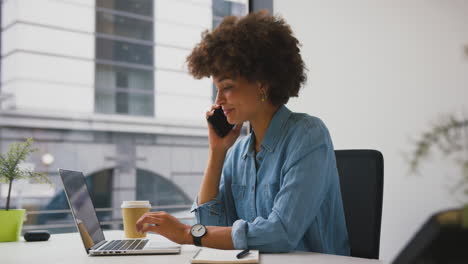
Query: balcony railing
[[188, 218]]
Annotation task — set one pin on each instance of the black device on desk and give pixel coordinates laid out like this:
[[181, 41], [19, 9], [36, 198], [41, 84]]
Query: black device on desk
[[243, 253], [442, 239], [37, 235], [219, 122]]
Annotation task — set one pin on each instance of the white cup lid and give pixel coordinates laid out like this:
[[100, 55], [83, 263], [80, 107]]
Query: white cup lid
[[135, 204]]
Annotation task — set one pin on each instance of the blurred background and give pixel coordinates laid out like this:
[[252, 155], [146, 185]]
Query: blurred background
[[102, 87]]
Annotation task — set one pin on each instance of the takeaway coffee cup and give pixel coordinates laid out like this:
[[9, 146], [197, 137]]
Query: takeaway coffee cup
[[131, 212]]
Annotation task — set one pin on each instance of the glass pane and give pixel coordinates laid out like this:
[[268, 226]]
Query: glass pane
[[121, 103], [223, 8], [108, 76], [112, 102], [124, 26], [121, 51], [121, 80], [141, 7], [238, 9], [99, 185], [159, 190], [217, 21], [141, 104], [105, 101]]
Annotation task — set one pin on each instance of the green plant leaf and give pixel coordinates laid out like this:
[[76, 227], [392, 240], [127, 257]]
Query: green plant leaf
[[450, 137], [9, 169]]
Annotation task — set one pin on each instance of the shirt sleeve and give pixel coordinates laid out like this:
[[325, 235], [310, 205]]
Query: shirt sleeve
[[221, 210], [295, 206]]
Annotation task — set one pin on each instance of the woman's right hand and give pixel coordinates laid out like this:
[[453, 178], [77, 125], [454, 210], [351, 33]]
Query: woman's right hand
[[217, 143]]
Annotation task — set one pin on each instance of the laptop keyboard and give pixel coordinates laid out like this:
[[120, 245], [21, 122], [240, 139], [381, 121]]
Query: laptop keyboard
[[136, 244]]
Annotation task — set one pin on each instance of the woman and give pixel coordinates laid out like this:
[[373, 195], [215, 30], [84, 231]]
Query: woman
[[276, 190]]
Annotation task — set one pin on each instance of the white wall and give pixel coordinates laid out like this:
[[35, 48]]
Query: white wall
[[380, 72]]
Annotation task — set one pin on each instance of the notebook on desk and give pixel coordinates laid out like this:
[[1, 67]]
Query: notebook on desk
[[219, 256], [90, 230]]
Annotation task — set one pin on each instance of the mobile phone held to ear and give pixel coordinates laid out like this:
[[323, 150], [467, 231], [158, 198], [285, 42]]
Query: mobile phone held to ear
[[219, 122]]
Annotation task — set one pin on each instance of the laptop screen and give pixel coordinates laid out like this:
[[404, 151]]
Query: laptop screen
[[82, 207]]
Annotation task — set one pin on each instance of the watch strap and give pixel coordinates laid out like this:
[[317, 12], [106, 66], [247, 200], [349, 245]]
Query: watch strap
[[197, 241]]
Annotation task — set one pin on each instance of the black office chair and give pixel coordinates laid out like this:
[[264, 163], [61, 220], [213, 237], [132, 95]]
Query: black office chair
[[361, 180]]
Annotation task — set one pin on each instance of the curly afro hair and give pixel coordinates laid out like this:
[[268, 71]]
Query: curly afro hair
[[257, 47]]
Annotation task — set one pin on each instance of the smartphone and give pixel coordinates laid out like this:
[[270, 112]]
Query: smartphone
[[219, 122]]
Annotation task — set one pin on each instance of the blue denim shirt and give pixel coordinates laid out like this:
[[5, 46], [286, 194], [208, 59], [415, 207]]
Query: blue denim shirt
[[292, 200]]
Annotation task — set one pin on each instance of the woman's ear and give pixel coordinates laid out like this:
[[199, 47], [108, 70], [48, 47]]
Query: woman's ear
[[259, 85], [263, 91], [262, 87]]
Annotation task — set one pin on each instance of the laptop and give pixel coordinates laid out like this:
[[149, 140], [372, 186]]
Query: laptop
[[90, 230]]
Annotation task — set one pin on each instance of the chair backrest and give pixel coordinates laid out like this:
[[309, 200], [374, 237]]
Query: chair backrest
[[361, 181]]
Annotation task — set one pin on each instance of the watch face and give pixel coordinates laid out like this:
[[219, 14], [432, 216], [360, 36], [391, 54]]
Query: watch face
[[198, 230]]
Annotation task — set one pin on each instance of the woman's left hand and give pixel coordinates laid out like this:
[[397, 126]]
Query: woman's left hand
[[166, 225]]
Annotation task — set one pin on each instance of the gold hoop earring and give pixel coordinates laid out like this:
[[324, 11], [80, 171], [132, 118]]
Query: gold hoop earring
[[263, 97]]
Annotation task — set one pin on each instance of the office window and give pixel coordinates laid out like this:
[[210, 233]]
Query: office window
[[124, 79], [223, 8], [109, 76], [130, 63], [150, 187], [137, 7], [123, 51], [122, 26], [124, 90], [121, 79]]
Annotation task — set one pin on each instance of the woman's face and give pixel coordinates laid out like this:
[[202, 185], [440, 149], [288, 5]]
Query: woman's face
[[239, 99]]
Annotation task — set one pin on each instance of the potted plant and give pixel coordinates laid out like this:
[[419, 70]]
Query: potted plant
[[444, 236], [450, 137], [11, 220]]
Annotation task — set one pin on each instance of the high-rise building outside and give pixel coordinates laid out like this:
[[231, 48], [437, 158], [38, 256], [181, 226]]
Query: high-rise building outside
[[102, 87]]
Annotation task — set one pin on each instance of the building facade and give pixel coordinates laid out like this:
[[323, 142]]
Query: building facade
[[102, 87]]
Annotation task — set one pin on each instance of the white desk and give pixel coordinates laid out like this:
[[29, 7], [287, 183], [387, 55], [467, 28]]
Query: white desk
[[68, 248]]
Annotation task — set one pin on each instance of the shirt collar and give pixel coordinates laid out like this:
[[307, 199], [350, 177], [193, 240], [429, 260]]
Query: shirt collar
[[250, 150], [273, 132]]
